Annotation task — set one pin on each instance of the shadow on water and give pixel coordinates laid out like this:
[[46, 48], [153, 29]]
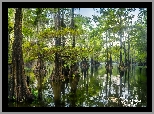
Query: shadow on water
[[95, 87]]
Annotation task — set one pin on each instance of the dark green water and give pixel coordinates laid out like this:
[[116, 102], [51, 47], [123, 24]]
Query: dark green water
[[96, 89]]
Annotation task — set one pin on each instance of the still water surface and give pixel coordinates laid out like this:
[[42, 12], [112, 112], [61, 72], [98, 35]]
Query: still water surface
[[96, 89]]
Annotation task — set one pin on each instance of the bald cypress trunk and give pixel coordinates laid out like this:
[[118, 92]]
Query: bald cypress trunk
[[19, 89]]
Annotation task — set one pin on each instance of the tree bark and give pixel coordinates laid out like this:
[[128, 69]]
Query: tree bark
[[57, 55], [19, 89], [73, 44]]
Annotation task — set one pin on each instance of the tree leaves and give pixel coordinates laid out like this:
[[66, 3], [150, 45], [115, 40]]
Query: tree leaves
[[112, 23]]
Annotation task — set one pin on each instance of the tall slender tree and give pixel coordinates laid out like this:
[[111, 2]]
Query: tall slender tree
[[19, 89]]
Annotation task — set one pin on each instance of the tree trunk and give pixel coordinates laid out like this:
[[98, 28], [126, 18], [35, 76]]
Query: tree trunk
[[120, 39], [73, 95], [63, 26], [74, 66], [73, 44], [57, 55], [128, 60], [125, 54], [8, 39], [19, 89], [57, 93], [107, 51], [40, 65]]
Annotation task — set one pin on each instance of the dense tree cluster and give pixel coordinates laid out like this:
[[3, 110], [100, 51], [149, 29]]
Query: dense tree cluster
[[60, 36]]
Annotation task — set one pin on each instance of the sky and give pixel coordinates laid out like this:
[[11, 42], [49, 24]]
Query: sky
[[90, 11]]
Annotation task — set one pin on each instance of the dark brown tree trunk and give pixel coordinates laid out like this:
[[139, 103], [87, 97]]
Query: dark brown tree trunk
[[57, 93], [57, 55], [74, 66], [63, 26], [40, 65], [19, 89], [73, 95]]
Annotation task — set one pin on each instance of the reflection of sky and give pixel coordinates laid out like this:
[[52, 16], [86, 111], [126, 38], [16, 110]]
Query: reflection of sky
[[90, 11], [129, 97]]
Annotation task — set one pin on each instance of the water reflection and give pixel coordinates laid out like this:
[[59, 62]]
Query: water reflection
[[97, 88]]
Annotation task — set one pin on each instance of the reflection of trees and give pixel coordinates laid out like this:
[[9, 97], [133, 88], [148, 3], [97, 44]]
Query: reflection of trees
[[113, 98], [58, 87], [136, 88], [57, 93], [84, 65], [139, 89], [86, 91], [125, 77], [73, 97], [92, 70]]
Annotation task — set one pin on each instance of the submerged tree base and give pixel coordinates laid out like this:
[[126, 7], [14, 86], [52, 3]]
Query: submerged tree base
[[29, 99], [58, 78]]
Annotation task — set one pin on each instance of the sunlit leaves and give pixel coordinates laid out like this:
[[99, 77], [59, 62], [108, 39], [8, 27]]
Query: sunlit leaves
[[27, 32], [39, 25], [52, 33], [10, 19]]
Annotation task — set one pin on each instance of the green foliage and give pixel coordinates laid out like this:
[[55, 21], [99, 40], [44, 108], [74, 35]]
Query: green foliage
[[39, 26], [35, 93]]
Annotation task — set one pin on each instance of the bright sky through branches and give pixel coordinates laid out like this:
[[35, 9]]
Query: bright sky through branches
[[90, 11]]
